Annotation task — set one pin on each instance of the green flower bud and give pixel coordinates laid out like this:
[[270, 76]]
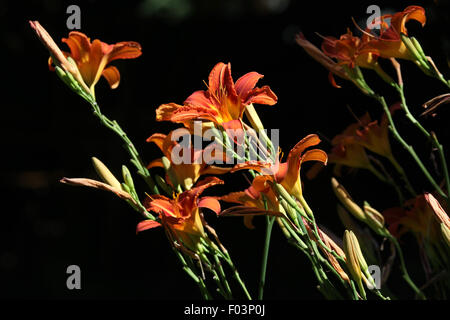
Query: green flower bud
[[105, 174]]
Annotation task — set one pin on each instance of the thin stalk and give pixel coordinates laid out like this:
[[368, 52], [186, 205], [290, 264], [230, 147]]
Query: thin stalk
[[236, 275], [408, 148], [129, 146], [430, 136], [262, 279], [404, 270]]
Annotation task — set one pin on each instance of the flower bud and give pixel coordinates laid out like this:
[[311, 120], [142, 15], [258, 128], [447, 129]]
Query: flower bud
[[355, 261], [127, 177], [105, 174], [351, 255], [346, 200], [374, 219], [445, 233]]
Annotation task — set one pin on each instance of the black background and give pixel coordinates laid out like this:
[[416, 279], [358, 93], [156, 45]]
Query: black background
[[49, 133]]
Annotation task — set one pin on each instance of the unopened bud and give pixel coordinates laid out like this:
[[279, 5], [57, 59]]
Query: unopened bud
[[352, 255], [374, 219], [346, 200], [445, 233], [127, 177], [105, 174]]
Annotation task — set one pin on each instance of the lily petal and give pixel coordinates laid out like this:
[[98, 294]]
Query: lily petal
[[147, 224], [112, 75]]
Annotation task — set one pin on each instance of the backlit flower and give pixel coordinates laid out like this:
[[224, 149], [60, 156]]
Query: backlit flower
[[92, 59], [416, 216], [181, 215], [222, 103], [186, 163], [349, 51], [389, 43]]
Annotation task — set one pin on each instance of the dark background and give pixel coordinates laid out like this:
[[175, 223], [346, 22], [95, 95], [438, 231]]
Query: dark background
[[49, 133]]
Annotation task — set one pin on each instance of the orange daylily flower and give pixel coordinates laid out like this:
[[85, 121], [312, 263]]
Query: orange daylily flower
[[287, 173], [188, 173], [349, 51], [251, 198], [92, 58], [58, 57], [223, 103], [181, 216], [350, 155], [389, 43], [416, 216], [369, 134]]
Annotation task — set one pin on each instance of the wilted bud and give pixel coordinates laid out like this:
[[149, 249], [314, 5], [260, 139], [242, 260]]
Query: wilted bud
[[346, 200], [445, 233], [105, 174], [59, 58], [374, 219], [439, 212]]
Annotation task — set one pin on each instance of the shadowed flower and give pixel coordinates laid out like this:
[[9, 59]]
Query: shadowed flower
[[344, 68], [350, 155], [186, 164], [323, 59], [349, 51], [389, 43], [180, 216], [416, 216], [92, 58], [223, 102]]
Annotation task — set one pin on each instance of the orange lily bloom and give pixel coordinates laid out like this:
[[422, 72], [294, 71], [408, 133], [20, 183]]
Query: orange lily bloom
[[389, 44], [416, 216], [369, 134], [348, 50], [185, 174], [350, 155], [251, 198], [287, 173], [223, 103], [318, 55], [181, 216], [92, 58]]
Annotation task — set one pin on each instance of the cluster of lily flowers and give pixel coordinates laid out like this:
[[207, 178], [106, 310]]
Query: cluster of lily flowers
[[226, 111]]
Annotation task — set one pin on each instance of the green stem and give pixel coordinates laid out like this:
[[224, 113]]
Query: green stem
[[404, 270], [408, 148], [403, 175], [136, 159], [430, 136], [262, 279], [236, 275]]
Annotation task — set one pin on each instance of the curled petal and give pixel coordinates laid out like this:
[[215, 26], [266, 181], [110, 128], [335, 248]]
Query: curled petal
[[112, 75], [79, 45], [209, 203], [246, 83], [147, 224], [124, 50], [262, 95], [295, 154]]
